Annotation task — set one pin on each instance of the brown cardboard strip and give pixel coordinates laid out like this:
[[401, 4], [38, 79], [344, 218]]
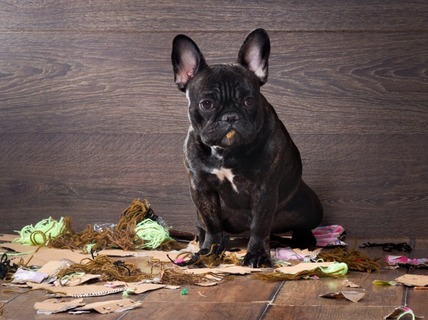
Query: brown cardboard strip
[[92, 290], [57, 305], [111, 306], [413, 280], [353, 296]]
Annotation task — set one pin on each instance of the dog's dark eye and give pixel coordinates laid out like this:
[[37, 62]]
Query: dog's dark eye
[[206, 104], [249, 102]]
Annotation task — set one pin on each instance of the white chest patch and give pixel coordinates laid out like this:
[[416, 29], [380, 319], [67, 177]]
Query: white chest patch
[[224, 173]]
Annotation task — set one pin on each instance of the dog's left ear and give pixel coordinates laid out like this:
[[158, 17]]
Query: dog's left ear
[[254, 54]]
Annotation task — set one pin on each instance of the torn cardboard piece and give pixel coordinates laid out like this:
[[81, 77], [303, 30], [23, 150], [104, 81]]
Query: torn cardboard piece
[[8, 237], [17, 247], [228, 269], [52, 268], [111, 306], [94, 290], [135, 287], [303, 267], [413, 280], [51, 306], [212, 276], [161, 256], [353, 296], [350, 284], [399, 312], [313, 270], [39, 256], [44, 255], [77, 279]]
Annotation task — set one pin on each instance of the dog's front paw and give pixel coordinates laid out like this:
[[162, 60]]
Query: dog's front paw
[[257, 260]]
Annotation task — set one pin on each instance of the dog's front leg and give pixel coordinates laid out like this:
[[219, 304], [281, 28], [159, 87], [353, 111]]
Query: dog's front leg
[[258, 250], [209, 220]]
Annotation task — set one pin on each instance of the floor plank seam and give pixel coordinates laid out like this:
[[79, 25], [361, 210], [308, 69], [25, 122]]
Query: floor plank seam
[[271, 301], [405, 300]]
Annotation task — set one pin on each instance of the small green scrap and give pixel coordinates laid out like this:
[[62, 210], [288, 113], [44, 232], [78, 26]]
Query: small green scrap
[[384, 283]]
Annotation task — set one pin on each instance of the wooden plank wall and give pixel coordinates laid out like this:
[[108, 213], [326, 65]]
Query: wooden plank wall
[[90, 117]]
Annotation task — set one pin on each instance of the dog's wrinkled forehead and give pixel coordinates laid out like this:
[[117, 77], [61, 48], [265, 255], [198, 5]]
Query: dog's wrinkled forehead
[[224, 80]]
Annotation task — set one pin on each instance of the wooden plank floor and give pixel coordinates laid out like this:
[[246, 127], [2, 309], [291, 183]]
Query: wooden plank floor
[[90, 117], [248, 298]]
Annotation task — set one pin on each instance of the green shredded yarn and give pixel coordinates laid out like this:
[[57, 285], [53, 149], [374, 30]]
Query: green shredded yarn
[[336, 269], [152, 233], [41, 233], [409, 312], [384, 283], [87, 248]]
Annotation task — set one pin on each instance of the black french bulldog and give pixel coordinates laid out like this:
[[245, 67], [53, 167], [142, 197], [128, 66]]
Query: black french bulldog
[[245, 171]]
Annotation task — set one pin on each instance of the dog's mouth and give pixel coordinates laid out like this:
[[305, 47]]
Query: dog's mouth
[[232, 137], [227, 135]]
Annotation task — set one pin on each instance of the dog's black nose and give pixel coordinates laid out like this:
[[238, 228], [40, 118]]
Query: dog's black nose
[[230, 117]]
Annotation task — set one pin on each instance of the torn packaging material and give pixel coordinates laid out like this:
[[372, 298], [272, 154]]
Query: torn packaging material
[[306, 271], [39, 256], [329, 236], [105, 307], [76, 292], [327, 266], [23, 276], [289, 254], [404, 261], [413, 280], [93, 290], [401, 312], [353, 296], [77, 306], [55, 306]]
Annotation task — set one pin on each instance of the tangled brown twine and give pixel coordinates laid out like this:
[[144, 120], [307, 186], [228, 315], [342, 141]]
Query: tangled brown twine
[[121, 236], [209, 260], [279, 276], [108, 268], [178, 277], [111, 270], [356, 260]]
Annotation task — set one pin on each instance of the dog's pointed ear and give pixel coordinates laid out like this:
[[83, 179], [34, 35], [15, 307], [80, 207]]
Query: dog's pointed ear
[[254, 54], [186, 60]]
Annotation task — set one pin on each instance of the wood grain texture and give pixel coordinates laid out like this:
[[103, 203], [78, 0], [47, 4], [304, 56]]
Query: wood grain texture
[[349, 311], [158, 16], [22, 307], [300, 299], [93, 177], [247, 298], [417, 299], [235, 299], [360, 83], [90, 117]]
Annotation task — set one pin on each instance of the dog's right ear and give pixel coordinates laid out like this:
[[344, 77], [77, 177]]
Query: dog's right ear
[[186, 60]]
